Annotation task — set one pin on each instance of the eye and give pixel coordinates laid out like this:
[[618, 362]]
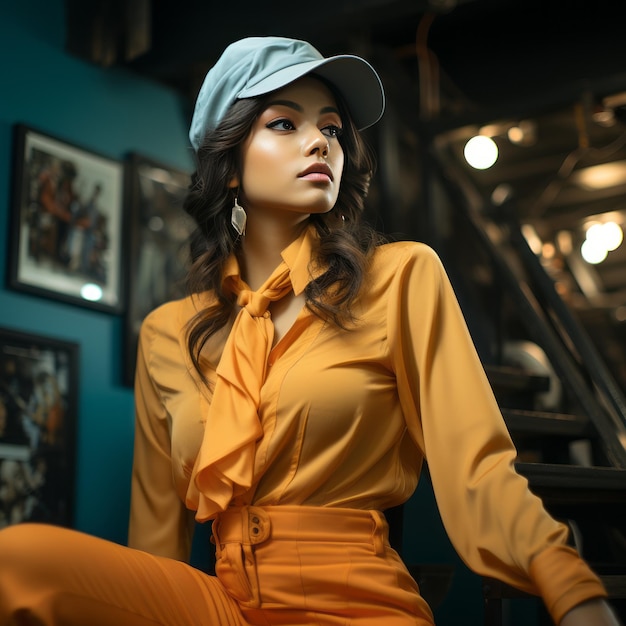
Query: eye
[[332, 131], [282, 124]]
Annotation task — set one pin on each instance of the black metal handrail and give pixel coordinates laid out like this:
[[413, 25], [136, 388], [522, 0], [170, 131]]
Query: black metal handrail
[[595, 365], [548, 320]]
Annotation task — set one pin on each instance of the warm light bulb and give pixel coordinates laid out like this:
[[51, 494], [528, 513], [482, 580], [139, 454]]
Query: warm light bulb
[[593, 251], [613, 235], [481, 152], [594, 233], [607, 236]]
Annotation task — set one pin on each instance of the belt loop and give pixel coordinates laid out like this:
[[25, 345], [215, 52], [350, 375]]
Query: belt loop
[[244, 525], [378, 534]]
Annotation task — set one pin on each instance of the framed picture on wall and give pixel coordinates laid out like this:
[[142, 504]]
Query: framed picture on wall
[[67, 222], [38, 413], [158, 252]]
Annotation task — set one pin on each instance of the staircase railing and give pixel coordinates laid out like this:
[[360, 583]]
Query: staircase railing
[[546, 316]]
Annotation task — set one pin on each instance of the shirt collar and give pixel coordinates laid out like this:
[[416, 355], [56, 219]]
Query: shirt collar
[[299, 257]]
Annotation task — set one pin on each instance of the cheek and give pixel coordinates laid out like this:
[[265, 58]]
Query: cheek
[[340, 165], [259, 164]]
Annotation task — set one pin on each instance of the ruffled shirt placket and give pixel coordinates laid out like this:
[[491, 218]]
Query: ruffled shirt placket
[[225, 466]]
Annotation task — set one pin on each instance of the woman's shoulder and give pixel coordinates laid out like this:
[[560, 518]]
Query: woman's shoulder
[[170, 311], [390, 259], [170, 320], [394, 266], [163, 337]]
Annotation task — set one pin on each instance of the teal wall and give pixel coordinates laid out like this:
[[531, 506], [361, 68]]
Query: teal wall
[[111, 112]]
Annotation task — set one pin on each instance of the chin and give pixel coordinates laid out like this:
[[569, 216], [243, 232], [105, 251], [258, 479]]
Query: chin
[[320, 209]]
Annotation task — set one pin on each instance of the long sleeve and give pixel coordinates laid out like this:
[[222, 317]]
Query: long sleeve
[[159, 521], [498, 527]]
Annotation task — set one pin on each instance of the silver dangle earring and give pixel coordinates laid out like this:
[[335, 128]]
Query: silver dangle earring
[[238, 218]]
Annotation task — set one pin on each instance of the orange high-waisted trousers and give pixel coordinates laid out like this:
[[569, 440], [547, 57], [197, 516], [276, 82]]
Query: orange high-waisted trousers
[[285, 565]]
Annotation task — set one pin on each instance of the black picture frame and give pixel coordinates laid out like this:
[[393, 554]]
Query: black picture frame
[[67, 223], [158, 246], [38, 417]]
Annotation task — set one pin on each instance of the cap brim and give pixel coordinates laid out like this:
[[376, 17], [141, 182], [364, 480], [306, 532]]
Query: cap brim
[[354, 78]]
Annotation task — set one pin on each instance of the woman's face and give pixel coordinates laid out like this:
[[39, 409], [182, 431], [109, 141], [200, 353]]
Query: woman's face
[[292, 160]]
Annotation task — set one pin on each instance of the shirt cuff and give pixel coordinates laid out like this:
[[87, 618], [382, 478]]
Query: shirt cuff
[[564, 580]]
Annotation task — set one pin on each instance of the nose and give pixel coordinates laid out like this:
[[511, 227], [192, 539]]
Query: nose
[[318, 143]]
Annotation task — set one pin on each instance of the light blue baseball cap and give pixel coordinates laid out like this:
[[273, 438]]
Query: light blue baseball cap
[[255, 66]]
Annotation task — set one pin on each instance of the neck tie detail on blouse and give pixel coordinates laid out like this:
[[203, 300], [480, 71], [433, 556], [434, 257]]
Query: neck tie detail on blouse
[[225, 465]]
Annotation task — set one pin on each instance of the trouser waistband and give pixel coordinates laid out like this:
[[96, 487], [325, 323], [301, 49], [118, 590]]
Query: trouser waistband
[[304, 561], [252, 525]]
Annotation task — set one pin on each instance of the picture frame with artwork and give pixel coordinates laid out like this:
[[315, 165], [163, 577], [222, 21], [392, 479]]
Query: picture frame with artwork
[[38, 421], [67, 223], [158, 246]]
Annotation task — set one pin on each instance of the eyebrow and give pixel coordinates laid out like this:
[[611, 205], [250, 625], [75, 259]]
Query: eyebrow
[[296, 107]]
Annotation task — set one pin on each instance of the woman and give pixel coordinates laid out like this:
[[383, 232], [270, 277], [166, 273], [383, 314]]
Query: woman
[[293, 395]]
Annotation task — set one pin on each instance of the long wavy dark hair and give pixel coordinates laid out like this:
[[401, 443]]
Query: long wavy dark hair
[[345, 239]]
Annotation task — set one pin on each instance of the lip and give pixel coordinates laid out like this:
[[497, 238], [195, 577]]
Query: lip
[[317, 171]]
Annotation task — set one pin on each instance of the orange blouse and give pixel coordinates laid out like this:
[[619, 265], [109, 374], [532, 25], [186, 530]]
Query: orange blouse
[[348, 417]]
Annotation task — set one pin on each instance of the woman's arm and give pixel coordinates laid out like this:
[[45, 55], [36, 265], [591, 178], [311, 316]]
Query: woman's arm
[[159, 521], [496, 524]]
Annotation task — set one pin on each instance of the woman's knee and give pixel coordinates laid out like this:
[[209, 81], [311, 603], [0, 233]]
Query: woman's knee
[[31, 548], [34, 559], [18, 563], [16, 542]]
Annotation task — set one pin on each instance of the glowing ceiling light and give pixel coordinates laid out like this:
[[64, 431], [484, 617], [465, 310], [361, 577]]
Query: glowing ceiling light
[[593, 251], [481, 152], [613, 235], [601, 176], [606, 234], [594, 233], [524, 134]]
